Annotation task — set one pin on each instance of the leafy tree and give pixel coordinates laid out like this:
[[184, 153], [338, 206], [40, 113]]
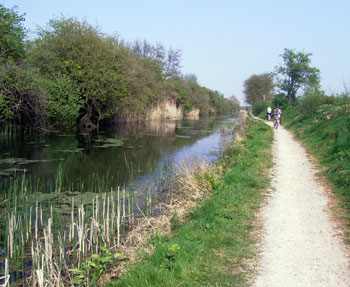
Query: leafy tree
[[220, 104], [12, 34], [295, 73], [112, 80], [21, 96], [280, 100], [258, 88]]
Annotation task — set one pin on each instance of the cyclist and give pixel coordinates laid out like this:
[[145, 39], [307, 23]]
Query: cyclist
[[268, 113], [277, 112]]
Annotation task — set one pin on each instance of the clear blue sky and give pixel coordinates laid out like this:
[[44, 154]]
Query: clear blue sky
[[223, 42]]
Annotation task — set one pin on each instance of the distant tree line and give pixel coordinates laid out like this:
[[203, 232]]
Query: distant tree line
[[291, 81], [72, 75]]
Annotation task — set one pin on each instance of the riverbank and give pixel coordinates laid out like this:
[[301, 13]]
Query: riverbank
[[213, 243]]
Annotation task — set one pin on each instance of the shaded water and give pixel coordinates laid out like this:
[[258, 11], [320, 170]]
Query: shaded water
[[117, 155]]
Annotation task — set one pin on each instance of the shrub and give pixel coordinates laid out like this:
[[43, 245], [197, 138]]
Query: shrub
[[312, 101], [22, 96], [260, 107], [64, 103], [280, 100]]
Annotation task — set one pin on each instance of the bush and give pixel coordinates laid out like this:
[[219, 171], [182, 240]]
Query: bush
[[311, 102], [22, 96], [64, 103], [280, 100], [260, 107]]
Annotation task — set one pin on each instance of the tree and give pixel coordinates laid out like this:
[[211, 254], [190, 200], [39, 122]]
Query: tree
[[12, 34], [173, 63], [107, 77], [191, 78], [168, 60], [295, 73], [236, 101], [21, 96], [258, 88], [280, 100]]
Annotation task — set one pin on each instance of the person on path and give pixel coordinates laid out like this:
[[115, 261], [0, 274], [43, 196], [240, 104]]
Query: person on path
[[277, 113], [268, 113]]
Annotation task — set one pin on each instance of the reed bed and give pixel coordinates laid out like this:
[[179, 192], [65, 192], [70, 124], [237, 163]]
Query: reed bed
[[43, 240], [46, 236]]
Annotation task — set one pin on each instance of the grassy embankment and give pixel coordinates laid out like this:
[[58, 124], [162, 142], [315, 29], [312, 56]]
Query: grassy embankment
[[214, 244], [323, 124]]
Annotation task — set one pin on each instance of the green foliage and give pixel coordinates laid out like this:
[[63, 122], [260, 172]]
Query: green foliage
[[92, 269], [311, 102], [112, 80], [6, 112], [220, 104], [22, 98], [191, 95], [64, 102], [260, 108], [12, 34], [258, 88], [91, 78], [280, 100], [217, 233], [295, 73], [167, 60], [175, 222]]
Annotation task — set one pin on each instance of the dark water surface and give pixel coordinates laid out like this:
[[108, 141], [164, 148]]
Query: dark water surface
[[116, 155]]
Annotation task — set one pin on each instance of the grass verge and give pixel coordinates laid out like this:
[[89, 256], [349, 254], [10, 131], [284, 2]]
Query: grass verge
[[324, 128], [214, 245]]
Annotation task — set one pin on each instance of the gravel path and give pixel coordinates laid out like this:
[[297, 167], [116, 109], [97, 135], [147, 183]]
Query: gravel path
[[300, 245]]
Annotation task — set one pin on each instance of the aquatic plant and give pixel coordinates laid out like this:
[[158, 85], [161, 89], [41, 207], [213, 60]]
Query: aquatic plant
[[47, 235]]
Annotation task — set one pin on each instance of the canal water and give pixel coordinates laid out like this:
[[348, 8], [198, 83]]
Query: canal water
[[69, 178], [115, 156]]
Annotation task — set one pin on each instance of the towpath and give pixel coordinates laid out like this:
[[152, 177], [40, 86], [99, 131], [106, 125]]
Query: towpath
[[301, 245]]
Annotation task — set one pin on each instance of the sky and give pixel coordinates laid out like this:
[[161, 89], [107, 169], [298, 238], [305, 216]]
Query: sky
[[223, 42]]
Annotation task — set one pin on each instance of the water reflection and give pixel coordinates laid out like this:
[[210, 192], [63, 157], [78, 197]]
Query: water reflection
[[120, 154]]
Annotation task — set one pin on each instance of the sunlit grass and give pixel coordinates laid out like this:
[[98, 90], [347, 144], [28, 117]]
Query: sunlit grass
[[214, 245]]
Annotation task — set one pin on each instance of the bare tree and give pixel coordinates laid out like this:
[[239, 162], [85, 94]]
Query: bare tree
[[172, 64], [234, 99], [191, 78], [346, 89], [169, 61]]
